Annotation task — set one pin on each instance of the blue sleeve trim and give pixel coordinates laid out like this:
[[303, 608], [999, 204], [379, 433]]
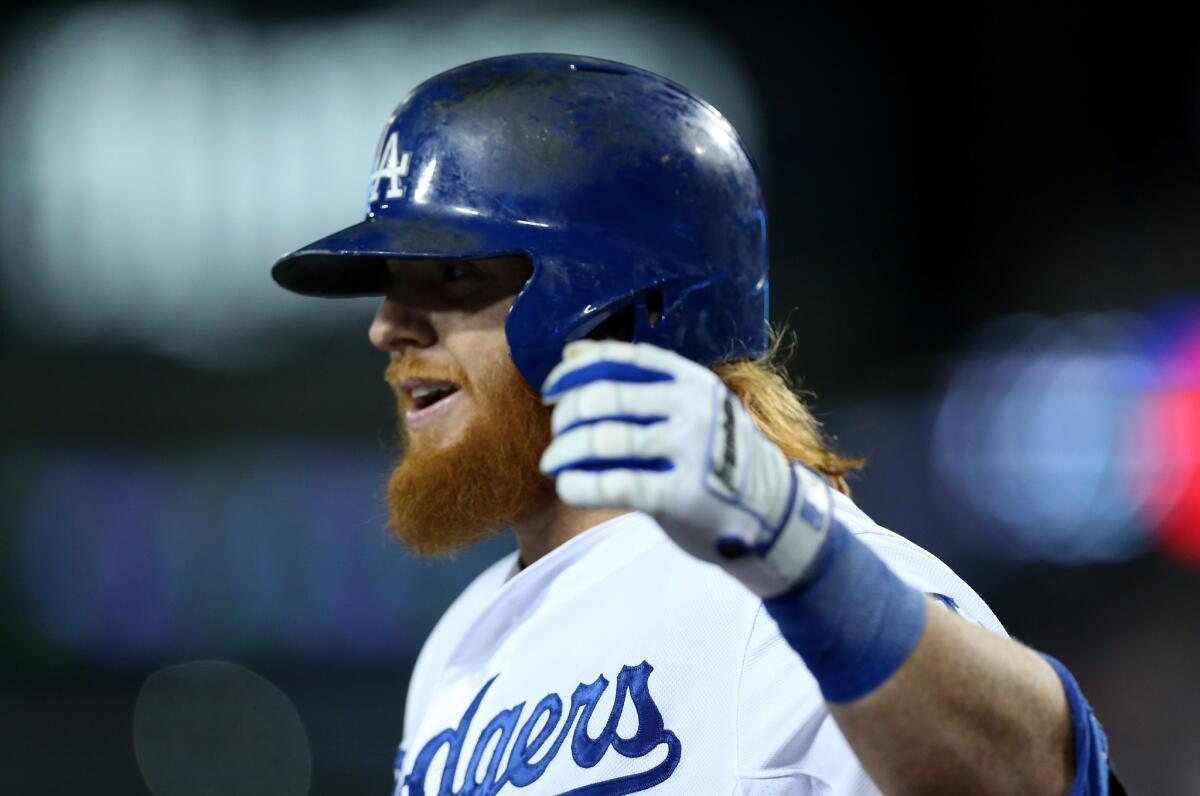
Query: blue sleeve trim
[[946, 600], [852, 621], [1091, 745]]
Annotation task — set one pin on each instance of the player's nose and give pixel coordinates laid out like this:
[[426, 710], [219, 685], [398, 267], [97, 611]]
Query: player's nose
[[397, 326]]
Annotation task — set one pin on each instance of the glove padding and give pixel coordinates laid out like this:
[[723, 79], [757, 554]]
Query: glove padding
[[640, 427]]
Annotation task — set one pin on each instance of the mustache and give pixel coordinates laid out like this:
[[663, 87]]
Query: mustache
[[402, 369]]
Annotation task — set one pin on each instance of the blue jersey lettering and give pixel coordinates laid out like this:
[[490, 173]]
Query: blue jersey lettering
[[522, 768]]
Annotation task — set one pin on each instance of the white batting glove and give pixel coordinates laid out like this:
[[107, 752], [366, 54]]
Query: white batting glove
[[640, 427]]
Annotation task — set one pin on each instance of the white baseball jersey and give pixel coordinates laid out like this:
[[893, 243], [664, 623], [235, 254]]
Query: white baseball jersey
[[617, 663]]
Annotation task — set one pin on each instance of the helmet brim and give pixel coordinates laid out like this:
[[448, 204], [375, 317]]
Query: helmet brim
[[351, 262]]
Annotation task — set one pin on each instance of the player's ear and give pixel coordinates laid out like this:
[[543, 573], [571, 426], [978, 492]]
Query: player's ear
[[620, 325]]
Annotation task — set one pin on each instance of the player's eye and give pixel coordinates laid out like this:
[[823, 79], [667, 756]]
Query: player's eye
[[457, 272]]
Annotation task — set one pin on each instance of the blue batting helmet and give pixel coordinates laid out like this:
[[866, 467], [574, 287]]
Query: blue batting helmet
[[636, 202]]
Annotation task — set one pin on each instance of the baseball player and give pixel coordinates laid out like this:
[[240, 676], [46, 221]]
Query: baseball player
[[572, 256]]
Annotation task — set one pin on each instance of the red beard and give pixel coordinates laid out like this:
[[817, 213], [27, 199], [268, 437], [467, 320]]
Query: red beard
[[441, 500]]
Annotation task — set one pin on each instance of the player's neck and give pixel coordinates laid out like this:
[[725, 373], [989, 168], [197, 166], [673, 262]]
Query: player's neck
[[546, 527]]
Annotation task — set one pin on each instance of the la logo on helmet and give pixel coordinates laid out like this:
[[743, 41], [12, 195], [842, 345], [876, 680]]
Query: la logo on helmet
[[392, 166]]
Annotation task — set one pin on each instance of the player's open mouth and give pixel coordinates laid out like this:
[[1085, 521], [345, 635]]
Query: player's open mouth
[[429, 399]]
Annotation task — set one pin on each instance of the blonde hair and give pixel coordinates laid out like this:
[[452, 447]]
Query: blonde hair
[[764, 387]]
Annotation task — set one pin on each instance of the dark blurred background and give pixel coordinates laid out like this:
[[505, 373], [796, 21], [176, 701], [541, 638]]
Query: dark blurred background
[[985, 232]]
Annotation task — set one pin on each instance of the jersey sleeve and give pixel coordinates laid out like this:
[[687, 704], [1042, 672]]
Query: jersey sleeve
[[787, 740], [917, 567]]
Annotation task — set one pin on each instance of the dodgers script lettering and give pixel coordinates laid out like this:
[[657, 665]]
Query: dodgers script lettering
[[522, 769]]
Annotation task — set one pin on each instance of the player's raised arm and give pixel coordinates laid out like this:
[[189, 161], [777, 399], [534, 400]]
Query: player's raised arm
[[929, 702]]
